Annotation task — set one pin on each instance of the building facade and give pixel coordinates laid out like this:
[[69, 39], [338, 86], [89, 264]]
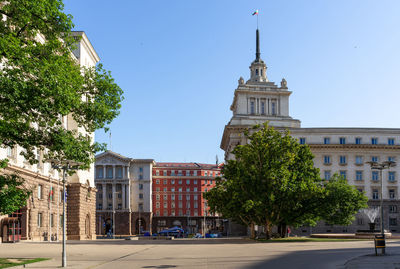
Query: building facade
[[124, 194], [41, 218], [344, 151], [178, 197]]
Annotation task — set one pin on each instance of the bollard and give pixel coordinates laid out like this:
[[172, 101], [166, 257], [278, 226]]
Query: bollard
[[379, 243]]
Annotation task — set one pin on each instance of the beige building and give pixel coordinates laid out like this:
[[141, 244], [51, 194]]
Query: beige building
[[337, 150], [41, 219]]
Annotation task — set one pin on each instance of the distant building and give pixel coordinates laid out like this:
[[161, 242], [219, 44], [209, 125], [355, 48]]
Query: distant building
[[41, 218], [178, 196], [337, 150], [135, 193]]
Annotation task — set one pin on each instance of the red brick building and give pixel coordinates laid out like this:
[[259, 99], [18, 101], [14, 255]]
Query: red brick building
[[177, 195]]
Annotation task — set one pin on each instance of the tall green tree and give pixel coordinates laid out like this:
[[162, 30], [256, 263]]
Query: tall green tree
[[40, 82], [273, 182]]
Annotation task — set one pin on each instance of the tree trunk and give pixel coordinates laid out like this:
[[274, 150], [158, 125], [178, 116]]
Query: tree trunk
[[252, 231], [283, 230], [267, 231]]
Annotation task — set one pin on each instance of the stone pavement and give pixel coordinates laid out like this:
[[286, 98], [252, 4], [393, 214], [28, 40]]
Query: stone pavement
[[204, 253]]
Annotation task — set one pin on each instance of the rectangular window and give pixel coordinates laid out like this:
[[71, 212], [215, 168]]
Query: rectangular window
[[158, 197], [9, 152], [140, 195], [391, 159], [302, 140], [100, 206], [109, 172], [392, 209], [140, 207], [172, 189], [157, 172], [164, 172], [187, 197], [195, 204], [140, 186], [343, 174], [39, 220], [158, 205], [173, 197], [180, 197], [187, 181], [180, 189], [158, 213], [99, 172], [110, 196], [165, 196], [187, 189], [187, 173], [375, 194], [180, 204], [140, 169], [342, 140], [195, 173], [180, 213], [390, 141], [359, 160], [180, 173], [173, 213], [165, 189], [173, 205], [252, 110], [262, 107], [119, 206], [180, 181], [273, 108], [327, 175], [358, 140], [157, 189], [39, 192], [140, 176], [172, 181], [392, 176], [374, 141], [327, 140], [165, 182], [359, 175], [196, 213], [375, 175], [327, 159], [165, 205], [110, 206], [119, 172], [195, 197], [195, 181], [374, 159], [392, 222], [342, 160], [392, 194], [195, 189]]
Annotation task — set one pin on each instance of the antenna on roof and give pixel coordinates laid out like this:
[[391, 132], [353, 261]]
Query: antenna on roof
[[216, 160], [110, 145]]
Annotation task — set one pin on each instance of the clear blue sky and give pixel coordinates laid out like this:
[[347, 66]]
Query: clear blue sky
[[178, 63]]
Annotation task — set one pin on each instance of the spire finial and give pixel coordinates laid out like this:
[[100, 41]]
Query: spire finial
[[257, 46]]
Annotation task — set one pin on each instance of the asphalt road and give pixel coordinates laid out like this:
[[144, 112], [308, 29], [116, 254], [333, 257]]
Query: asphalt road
[[197, 254]]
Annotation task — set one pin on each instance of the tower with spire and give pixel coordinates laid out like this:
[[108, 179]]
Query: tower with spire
[[256, 101]]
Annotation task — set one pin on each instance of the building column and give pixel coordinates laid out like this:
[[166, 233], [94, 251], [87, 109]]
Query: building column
[[113, 196], [104, 196], [123, 186], [114, 170], [104, 171], [127, 172], [123, 171]]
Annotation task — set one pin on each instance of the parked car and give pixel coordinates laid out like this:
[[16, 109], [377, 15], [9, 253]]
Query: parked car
[[175, 231]]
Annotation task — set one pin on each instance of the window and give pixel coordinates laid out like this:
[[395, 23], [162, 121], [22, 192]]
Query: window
[[165, 182], [187, 181], [343, 174], [358, 140], [211, 182], [9, 152], [359, 160], [158, 197], [195, 173], [205, 173], [173, 213], [375, 175], [375, 194], [109, 206], [195, 189], [392, 222], [140, 207], [180, 173], [180, 204], [195, 181], [327, 175], [302, 140], [173, 197], [195, 204], [172, 189], [119, 195], [187, 189], [140, 169], [327, 140], [161, 222], [158, 205], [360, 221], [360, 190], [180, 213], [195, 197], [157, 181], [252, 107], [140, 186], [180, 197], [187, 197], [110, 196], [39, 220], [173, 205], [180, 181], [39, 192], [390, 141], [327, 159], [374, 159], [165, 189], [359, 175], [262, 107], [392, 209], [165, 205], [342, 140], [119, 172], [188, 205], [273, 108], [392, 176], [165, 196], [342, 160], [374, 141], [140, 176], [180, 189], [157, 172], [109, 172], [172, 181], [99, 172], [157, 189], [196, 213], [164, 172], [392, 194], [391, 159], [100, 206], [140, 195], [119, 206]]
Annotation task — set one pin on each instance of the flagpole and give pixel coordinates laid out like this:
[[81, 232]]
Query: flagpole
[[257, 20]]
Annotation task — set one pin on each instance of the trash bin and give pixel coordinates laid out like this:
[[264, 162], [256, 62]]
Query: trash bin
[[379, 243]]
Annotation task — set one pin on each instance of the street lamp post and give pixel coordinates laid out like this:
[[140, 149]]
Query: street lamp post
[[381, 167], [65, 166]]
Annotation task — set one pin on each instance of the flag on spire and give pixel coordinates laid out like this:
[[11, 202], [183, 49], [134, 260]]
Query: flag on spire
[[255, 12]]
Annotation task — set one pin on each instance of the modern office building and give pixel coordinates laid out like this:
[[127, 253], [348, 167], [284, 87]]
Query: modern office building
[[41, 218], [337, 150]]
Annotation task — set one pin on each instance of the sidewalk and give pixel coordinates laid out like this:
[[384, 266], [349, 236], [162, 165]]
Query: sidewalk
[[389, 261]]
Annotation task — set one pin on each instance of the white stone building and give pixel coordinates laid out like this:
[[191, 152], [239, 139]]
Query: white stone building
[[124, 193], [337, 150]]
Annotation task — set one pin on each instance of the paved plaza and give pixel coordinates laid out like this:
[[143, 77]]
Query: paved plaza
[[240, 253]]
